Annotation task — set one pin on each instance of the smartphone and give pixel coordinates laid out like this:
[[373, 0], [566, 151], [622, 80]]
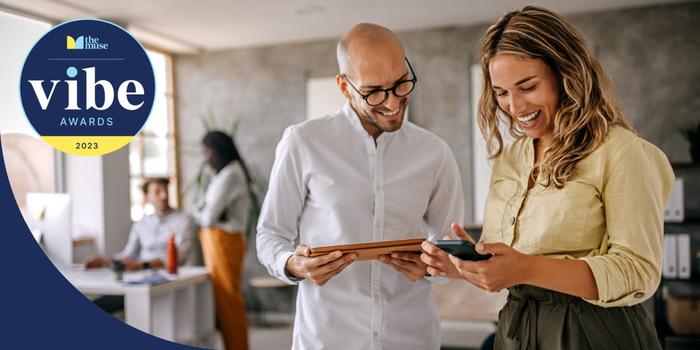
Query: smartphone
[[462, 249]]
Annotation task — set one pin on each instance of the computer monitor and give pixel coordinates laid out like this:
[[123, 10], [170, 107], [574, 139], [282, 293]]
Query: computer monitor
[[50, 219]]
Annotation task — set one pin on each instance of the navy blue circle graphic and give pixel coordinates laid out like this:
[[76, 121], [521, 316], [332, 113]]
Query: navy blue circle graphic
[[87, 77]]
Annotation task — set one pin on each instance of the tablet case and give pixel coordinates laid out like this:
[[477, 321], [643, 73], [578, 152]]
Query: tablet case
[[368, 251]]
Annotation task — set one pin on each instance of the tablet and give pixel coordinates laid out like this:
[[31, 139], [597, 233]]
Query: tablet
[[462, 249], [372, 250]]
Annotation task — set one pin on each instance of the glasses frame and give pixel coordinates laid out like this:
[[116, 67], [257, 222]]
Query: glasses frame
[[392, 89]]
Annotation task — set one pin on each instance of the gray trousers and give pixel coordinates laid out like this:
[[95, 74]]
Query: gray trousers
[[536, 318]]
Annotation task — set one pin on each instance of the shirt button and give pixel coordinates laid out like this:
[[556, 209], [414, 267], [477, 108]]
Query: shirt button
[[375, 334], [638, 295], [376, 297], [512, 220]]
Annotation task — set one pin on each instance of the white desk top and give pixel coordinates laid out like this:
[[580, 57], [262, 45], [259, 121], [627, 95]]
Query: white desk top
[[102, 281]]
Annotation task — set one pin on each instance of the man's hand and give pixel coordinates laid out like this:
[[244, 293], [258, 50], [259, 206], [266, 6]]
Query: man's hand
[[409, 264], [96, 262], [131, 265], [320, 269], [438, 260]]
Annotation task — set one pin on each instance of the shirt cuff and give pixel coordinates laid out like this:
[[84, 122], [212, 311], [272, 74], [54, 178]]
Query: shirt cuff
[[281, 263], [603, 280]]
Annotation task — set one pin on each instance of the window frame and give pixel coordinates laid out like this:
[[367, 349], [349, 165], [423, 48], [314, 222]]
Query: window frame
[[171, 137]]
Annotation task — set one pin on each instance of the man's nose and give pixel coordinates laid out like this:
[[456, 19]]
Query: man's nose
[[392, 102]]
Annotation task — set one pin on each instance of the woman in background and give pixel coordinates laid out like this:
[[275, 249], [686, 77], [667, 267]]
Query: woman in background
[[574, 215], [221, 208]]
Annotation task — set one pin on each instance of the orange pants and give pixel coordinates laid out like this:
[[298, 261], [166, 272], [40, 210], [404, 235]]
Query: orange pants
[[223, 255]]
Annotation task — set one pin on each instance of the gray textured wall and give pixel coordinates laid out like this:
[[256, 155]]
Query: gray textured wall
[[652, 55]]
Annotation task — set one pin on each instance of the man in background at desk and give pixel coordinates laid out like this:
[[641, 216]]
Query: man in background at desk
[[148, 239]]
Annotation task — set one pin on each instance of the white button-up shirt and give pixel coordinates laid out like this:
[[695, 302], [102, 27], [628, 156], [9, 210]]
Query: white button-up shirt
[[330, 184], [148, 239], [223, 192]]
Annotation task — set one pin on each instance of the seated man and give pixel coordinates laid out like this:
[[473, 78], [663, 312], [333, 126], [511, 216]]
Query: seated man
[[148, 239]]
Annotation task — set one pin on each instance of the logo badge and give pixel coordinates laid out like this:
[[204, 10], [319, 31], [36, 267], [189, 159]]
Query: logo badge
[[87, 87]]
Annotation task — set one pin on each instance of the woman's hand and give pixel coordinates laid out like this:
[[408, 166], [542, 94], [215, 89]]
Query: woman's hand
[[437, 259], [506, 268]]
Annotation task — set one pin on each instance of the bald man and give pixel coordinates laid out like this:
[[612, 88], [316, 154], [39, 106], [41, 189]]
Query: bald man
[[361, 174]]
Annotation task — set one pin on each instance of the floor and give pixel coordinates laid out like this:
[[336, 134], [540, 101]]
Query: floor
[[273, 338], [270, 338]]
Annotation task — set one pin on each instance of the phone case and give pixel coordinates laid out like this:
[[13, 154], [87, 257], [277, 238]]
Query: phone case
[[462, 249]]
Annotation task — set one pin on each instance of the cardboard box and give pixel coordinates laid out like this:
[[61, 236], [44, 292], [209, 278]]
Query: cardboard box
[[683, 309]]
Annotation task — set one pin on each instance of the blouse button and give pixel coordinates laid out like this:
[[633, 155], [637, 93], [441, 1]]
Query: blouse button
[[638, 295], [512, 220]]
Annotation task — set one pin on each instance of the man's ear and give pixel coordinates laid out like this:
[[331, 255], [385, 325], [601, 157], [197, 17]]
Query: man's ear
[[342, 85]]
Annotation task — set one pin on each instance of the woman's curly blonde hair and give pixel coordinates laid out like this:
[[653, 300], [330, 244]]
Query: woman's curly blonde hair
[[587, 107]]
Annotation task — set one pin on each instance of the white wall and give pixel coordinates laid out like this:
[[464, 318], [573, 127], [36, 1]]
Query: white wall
[[116, 200], [19, 36], [481, 165], [323, 97], [99, 187]]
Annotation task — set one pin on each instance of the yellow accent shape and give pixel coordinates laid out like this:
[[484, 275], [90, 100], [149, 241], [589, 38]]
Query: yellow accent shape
[[87, 145], [40, 213], [70, 42]]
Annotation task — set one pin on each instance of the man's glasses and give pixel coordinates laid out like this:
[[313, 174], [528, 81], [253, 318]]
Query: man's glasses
[[378, 96]]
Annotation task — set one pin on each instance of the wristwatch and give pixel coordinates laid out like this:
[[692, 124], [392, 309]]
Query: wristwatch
[[145, 265]]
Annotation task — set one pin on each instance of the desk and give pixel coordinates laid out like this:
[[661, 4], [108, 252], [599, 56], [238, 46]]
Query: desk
[[181, 310]]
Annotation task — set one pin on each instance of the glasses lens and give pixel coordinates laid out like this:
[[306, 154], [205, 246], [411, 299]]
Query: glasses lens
[[376, 98], [404, 88]]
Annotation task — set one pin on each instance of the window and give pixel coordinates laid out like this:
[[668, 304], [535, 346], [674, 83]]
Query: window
[[152, 152], [481, 165], [322, 97], [31, 164]]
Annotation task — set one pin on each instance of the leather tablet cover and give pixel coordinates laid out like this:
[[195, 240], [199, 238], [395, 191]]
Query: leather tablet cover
[[372, 250]]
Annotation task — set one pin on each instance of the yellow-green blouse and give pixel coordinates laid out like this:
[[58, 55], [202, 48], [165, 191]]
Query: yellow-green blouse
[[609, 214]]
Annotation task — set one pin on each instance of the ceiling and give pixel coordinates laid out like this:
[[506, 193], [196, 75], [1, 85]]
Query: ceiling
[[189, 26]]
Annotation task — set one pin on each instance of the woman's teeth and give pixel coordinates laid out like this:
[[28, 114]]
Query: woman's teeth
[[529, 119]]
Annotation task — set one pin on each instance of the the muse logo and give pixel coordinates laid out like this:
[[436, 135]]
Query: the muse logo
[[85, 43], [87, 94]]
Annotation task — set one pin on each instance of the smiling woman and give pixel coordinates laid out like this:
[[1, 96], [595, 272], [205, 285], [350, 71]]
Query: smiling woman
[[573, 219], [528, 91]]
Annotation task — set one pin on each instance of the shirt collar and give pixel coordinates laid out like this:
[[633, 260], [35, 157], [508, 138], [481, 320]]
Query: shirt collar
[[354, 120]]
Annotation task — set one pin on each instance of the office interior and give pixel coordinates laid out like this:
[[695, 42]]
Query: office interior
[[253, 69]]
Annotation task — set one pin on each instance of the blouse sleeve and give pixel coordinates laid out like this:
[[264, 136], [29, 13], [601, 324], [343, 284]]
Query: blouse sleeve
[[635, 190]]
